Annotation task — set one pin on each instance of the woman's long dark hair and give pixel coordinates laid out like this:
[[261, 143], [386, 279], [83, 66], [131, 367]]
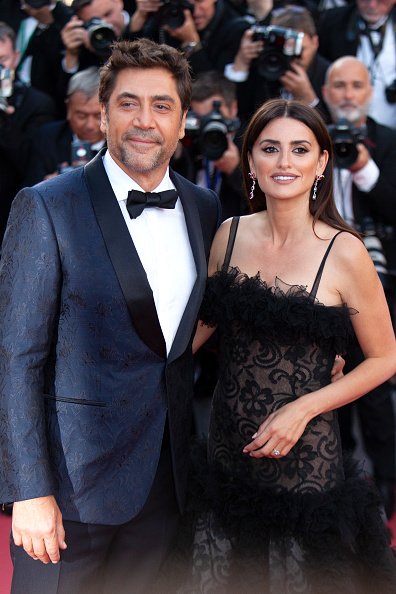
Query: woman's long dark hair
[[323, 208]]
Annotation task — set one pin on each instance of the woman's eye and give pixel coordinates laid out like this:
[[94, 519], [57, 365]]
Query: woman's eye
[[300, 150], [270, 149]]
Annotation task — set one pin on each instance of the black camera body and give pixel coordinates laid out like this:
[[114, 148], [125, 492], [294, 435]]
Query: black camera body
[[171, 12], [345, 138], [80, 154], [101, 36], [6, 86], [210, 131], [281, 45]]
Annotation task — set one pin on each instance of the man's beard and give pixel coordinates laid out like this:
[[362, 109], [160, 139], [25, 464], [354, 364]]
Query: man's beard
[[351, 112], [141, 162]]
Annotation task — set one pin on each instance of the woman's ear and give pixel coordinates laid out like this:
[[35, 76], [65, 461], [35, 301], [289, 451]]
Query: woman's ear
[[323, 159]]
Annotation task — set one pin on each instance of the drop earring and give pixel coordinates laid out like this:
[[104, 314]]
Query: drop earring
[[253, 178], [315, 188]]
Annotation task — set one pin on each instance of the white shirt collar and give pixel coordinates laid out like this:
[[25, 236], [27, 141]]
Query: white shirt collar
[[122, 183]]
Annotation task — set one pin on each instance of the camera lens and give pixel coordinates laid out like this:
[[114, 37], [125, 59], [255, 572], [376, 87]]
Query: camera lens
[[101, 36], [272, 64], [345, 153], [214, 140]]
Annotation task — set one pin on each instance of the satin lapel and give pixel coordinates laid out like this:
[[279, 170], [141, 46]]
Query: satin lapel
[[124, 257], [194, 230]]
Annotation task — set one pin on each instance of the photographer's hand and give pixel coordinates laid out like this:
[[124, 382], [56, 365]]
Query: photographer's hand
[[362, 160], [143, 9], [187, 32], [229, 160], [248, 51], [296, 81], [73, 36]]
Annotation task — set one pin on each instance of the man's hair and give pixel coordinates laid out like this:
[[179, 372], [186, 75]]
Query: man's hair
[[6, 32], [145, 54], [212, 83], [77, 5], [86, 82], [294, 17]]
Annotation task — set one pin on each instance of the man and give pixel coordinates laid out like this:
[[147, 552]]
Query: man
[[209, 34], [366, 30], [54, 144], [22, 112], [302, 79], [79, 51], [365, 192], [99, 298], [221, 174]]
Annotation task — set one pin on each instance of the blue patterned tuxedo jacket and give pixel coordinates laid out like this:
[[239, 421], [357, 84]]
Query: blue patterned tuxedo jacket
[[85, 383]]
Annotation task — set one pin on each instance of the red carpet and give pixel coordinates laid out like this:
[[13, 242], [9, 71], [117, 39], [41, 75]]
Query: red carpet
[[5, 561]]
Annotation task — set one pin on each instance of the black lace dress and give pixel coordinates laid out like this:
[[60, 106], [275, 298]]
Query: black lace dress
[[303, 523]]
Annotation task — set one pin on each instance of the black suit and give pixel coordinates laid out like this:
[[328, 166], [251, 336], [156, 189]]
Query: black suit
[[32, 109], [99, 385], [339, 31], [50, 149]]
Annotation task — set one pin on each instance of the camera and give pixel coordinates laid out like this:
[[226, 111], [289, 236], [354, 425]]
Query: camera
[[80, 154], [171, 12], [210, 131], [390, 92], [281, 45], [345, 139], [6, 86], [101, 36]]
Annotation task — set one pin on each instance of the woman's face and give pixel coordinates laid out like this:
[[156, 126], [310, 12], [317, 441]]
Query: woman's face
[[286, 158]]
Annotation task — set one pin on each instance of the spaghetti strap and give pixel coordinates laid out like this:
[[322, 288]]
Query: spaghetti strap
[[318, 277], [231, 241]]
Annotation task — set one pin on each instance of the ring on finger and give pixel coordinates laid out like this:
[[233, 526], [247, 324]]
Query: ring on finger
[[276, 452]]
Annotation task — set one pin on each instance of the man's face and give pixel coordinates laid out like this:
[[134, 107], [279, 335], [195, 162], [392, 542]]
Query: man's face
[[374, 10], [143, 122], [348, 91], [107, 10], [8, 56], [204, 11], [203, 108], [84, 117]]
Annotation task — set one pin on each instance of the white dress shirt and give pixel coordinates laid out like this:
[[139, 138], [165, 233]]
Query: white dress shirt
[[161, 240]]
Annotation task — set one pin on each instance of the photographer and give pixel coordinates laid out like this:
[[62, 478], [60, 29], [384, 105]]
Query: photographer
[[40, 46], [61, 145], [366, 29], [22, 110], [365, 195], [278, 61], [87, 42], [207, 31], [209, 156]]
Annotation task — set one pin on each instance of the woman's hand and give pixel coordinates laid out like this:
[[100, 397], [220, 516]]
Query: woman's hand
[[279, 432], [337, 369]]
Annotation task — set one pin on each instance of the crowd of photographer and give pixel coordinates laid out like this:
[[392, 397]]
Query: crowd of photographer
[[242, 52]]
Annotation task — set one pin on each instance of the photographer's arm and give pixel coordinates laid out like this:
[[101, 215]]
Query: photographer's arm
[[73, 37], [143, 10]]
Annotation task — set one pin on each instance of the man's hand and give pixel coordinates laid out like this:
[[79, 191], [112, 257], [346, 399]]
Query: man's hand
[[143, 9], [37, 526], [229, 160], [187, 32], [362, 160], [296, 81], [337, 369], [248, 51]]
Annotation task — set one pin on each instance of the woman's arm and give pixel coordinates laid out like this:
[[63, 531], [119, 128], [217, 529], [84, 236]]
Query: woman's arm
[[361, 289]]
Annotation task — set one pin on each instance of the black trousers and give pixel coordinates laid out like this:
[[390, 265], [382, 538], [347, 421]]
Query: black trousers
[[101, 559]]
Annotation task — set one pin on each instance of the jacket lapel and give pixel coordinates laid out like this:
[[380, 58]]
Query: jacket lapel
[[124, 257], [194, 230]]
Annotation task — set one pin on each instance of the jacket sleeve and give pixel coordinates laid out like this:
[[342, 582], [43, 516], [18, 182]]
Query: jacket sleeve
[[30, 279]]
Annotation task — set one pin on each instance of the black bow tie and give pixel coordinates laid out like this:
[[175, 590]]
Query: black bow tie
[[138, 201]]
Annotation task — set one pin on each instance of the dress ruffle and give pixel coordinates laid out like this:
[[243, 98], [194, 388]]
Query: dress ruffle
[[282, 312], [341, 531]]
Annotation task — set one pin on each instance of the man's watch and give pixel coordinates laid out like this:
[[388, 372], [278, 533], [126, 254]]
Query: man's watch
[[189, 47]]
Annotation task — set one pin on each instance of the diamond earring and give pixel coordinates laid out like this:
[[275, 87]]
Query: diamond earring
[[253, 178], [315, 188]]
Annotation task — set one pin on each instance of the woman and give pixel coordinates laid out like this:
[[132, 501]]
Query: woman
[[289, 285]]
